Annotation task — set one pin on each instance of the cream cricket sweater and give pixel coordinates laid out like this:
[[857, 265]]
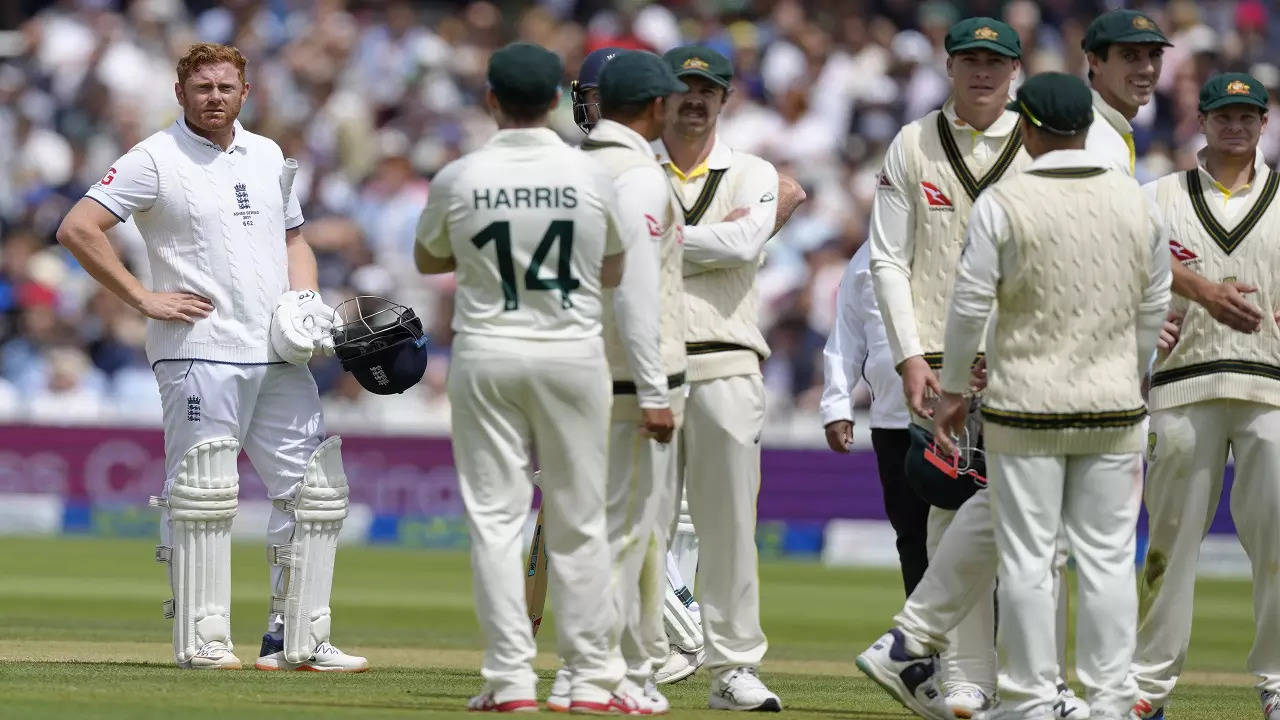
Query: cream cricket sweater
[[1082, 283], [721, 258], [933, 171], [1223, 236]]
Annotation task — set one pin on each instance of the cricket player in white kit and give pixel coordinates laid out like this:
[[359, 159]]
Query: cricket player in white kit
[[214, 204], [933, 171], [528, 224], [644, 341], [1215, 392], [1063, 407], [731, 208]]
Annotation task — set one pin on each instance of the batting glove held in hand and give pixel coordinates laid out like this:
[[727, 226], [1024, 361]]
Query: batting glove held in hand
[[301, 325]]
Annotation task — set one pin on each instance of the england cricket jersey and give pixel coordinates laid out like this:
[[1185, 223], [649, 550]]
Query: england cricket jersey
[[529, 221]]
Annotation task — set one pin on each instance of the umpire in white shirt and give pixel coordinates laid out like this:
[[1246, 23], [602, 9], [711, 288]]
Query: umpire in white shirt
[[233, 317], [857, 346]]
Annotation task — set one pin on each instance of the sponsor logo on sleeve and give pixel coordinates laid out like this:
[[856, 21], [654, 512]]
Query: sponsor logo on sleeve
[[655, 227], [937, 199], [1182, 254]]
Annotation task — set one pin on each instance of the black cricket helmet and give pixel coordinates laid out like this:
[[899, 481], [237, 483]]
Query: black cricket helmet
[[586, 114], [380, 342], [941, 481]]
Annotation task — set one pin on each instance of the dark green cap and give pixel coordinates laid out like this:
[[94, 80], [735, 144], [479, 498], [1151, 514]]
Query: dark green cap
[[1055, 102], [525, 74], [636, 76], [983, 33], [1121, 26], [702, 61], [1232, 89]]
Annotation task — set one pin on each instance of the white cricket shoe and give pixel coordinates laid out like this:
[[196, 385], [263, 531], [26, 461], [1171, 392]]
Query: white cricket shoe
[[911, 680], [561, 687], [1270, 705], [966, 699], [654, 700], [740, 689], [325, 658], [486, 702], [680, 664], [213, 655], [1068, 706], [1143, 710]]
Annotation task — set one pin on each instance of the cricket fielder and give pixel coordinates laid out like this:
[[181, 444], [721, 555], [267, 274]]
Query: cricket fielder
[[644, 342], [731, 208], [1215, 392], [234, 298], [858, 347], [1125, 51], [1063, 406], [528, 224], [933, 172]]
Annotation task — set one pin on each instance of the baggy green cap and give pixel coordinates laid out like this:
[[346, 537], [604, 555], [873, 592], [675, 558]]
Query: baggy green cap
[[525, 74], [702, 61], [1122, 26], [983, 33], [1232, 89], [637, 76], [1055, 102]]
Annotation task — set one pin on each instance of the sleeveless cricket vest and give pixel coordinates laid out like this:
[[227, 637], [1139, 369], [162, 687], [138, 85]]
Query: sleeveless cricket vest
[[609, 147], [1211, 361], [943, 186], [1062, 369], [722, 304]]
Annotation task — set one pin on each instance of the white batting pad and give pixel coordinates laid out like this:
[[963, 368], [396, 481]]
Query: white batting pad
[[319, 507], [200, 507], [683, 629]]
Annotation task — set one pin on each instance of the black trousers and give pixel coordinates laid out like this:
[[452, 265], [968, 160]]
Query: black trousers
[[908, 514]]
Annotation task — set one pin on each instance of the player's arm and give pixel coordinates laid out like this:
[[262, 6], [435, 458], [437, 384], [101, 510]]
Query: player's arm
[[132, 184], [845, 350], [432, 249], [1156, 295], [790, 196], [740, 237], [303, 274]]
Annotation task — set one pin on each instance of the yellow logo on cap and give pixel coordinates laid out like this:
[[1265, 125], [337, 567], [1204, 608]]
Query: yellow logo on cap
[[1237, 87], [986, 33], [1142, 22], [695, 63]]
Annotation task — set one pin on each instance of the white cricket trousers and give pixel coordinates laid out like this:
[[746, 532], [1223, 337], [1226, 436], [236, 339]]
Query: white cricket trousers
[[1184, 482], [1095, 498], [272, 409], [506, 394], [720, 451], [640, 505]]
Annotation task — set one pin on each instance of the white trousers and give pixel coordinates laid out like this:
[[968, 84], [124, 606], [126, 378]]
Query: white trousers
[[640, 505], [505, 395], [273, 410], [1095, 498], [720, 455], [1184, 483]]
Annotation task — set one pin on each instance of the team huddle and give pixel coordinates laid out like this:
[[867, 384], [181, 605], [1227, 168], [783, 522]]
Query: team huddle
[[1036, 301], [1020, 305]]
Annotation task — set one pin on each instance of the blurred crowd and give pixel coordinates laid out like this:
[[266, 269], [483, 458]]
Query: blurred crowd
[[372, 98]]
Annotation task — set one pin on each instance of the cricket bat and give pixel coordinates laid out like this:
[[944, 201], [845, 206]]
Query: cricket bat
[[535, 579], [286, 180]]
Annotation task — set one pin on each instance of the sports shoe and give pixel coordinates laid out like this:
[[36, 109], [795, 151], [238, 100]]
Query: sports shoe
[[623, 701], [1142, 710], [655, 701], [1270, 705], [965, 699], [213, 655], [680, 664], [325, 658], [558, 700], [740, 689], [486, 703], [911, 680], [1068, 706]]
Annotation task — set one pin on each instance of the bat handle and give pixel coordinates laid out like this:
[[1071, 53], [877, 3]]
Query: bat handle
[[286, 180]]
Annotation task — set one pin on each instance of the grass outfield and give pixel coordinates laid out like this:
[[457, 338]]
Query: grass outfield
[[81, 636]]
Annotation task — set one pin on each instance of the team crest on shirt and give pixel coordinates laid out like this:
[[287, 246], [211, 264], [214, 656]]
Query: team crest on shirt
[[245, 212], [1183, 254], [937, 199]]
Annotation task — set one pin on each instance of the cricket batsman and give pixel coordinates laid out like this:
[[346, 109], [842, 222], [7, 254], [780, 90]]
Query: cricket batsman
[[528, 223], [234, 316], [1062, 408], [1215, 392]]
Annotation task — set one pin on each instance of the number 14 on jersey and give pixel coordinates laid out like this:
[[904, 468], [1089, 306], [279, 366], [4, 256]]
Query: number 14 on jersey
[[559, 231]]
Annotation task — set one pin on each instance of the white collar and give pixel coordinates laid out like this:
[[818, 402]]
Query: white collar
[[1260, 171], [720, 158], [1003, 125], [235, 137], [525, 137], [611, 131], [1110, 114], [1067, 158]]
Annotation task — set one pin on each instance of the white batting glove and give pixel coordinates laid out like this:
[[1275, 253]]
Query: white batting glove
[[317, 318]]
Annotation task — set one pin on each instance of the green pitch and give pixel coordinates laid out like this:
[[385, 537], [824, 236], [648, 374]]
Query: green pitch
[[81, 636]]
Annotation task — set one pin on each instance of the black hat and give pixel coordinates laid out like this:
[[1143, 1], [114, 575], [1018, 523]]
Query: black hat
[[1232, 89], [702, 61], [381, 343], [637, 76], [525, 74], [983, 33], [1122, 26], [1055, 102]]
